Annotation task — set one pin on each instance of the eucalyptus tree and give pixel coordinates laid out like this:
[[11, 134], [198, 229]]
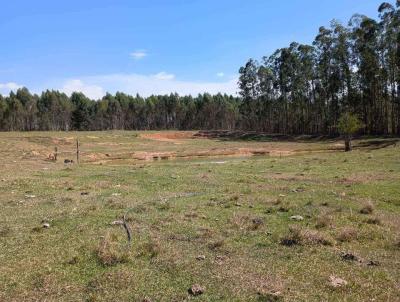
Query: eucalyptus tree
[[369, 74], [250, 91]]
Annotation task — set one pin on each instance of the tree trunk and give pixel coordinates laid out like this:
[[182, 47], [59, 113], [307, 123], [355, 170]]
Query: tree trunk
[[347, 143]]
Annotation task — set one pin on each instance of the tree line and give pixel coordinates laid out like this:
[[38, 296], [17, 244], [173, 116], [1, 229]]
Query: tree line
[[299, 89], [304, 89], [55, 111]]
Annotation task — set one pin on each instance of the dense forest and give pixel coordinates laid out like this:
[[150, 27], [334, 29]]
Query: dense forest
[[300, 89]]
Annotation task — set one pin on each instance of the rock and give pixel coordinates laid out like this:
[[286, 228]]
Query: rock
[[196, 290], [46, 225], [337, 282], [348, 256], [117, 222], [30, 196], [201, 257], [68, 161], [297, 218], [373, 263], [257, 221]]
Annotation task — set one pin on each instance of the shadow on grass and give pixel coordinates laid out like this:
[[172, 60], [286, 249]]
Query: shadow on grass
[[360, 142], [226, 135], [376, 144]]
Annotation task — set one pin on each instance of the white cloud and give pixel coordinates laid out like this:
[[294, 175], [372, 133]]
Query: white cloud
[[92, 91], [139, 54], [5, 88], [161, 83], [164, 76], [220, 74]]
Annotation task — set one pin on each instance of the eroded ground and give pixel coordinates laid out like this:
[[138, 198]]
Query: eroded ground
[[247, 218]]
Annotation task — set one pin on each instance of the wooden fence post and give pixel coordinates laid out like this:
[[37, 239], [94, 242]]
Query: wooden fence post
[[55, 153], [77, 150]]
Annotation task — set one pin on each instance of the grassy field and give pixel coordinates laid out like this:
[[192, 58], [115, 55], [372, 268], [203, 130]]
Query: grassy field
[[211, 215]]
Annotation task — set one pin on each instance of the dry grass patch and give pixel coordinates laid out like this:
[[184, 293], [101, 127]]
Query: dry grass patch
[[110, 285], [367, 209], [111, 251], [347, 234], [300, 236], [150, 249], [374, 220], [5, 231], [323, 222]]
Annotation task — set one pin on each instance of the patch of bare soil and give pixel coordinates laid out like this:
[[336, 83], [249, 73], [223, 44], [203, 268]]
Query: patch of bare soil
[[143, 155], [171, 136]]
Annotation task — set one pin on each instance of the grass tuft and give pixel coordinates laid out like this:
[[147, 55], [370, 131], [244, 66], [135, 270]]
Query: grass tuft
[[347, 234], [367, 209], [111, 252]]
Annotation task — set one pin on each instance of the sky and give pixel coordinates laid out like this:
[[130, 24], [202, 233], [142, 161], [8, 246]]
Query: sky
[[153, 46]]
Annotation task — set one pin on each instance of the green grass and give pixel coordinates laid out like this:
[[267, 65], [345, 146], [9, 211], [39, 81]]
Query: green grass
[[234, 213]]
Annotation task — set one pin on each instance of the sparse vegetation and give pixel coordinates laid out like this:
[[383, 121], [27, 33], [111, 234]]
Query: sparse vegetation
[[228, 232]]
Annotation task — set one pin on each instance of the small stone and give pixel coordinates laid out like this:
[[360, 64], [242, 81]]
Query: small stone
[[117, 222], [46, 225], [373, 263], [297, 218], [348, 256], [201, 257], [196, 290], [337, 282], [30, 196]]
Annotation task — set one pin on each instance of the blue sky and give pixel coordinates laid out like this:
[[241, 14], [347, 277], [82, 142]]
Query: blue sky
[[152, 46]]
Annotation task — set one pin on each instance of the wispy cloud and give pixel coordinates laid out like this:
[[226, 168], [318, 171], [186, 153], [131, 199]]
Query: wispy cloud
[[164, 76], [75, 85], [161, 83], [139, 54], [5, 88], [220, 74]]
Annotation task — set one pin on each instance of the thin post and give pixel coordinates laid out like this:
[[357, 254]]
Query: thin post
[[55, 153], [77, 150]]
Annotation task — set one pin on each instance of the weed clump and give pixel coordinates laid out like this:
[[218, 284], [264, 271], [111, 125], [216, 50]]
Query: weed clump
[[347, 234], [374, 220], [150, 249], [294, 237], [111, 252], [323, 222], [5, 231], [299, 236], [216, 245], [367, 209]]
